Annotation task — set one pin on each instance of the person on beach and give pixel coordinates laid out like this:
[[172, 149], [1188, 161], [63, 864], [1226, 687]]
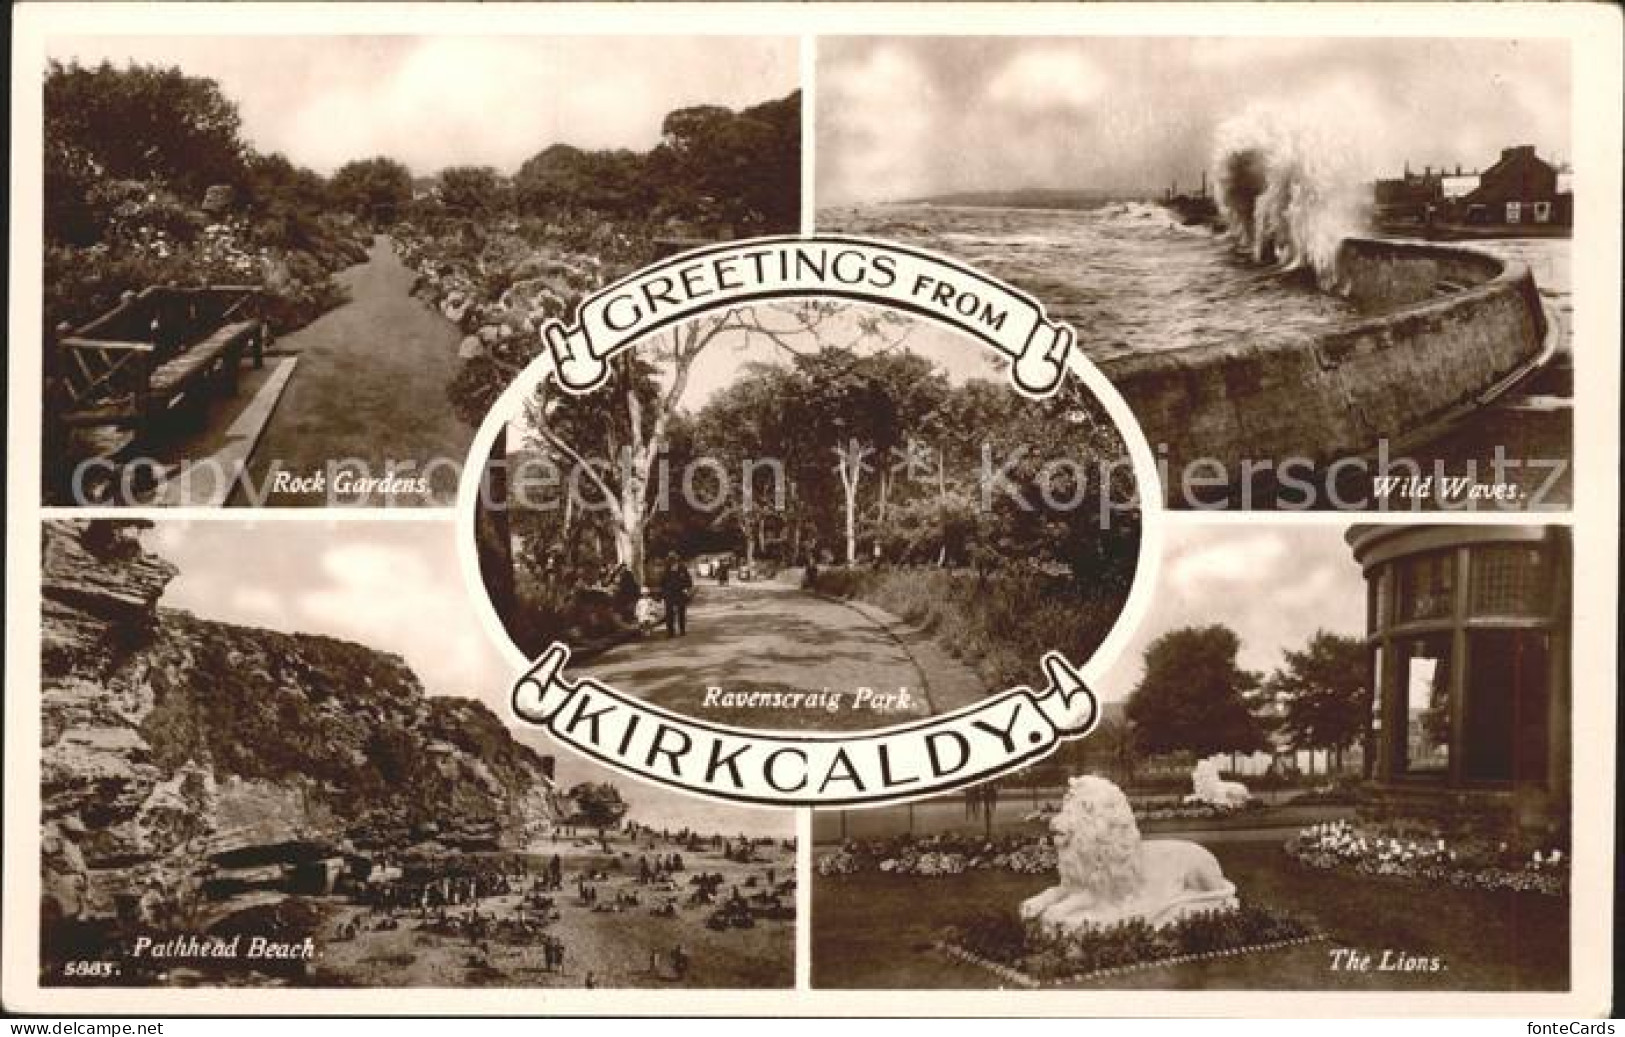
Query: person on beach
[[675, 587]]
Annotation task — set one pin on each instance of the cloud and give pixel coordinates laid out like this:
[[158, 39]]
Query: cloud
[[1274, 587], [433, 102], [1048, 79], [1226, 561], [1135, 114], [877, 122]]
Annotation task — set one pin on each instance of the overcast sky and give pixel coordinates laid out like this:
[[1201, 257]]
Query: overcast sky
[[902, 117], [1273, 585], [395, 587], [433, 102]]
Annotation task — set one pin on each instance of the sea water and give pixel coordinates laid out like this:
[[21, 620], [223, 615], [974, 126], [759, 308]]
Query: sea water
[[1128, 276]]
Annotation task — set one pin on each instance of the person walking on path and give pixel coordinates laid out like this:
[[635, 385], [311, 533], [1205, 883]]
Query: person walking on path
[[676, 584]]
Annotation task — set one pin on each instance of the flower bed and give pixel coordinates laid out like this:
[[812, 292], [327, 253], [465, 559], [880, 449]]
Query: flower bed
[[152, 238], [942, 855], [1469, 864], [1027, 953], [510, 277], [1174, 808]]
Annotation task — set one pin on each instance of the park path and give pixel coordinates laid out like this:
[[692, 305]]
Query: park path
[[771, 637], [370, 386]]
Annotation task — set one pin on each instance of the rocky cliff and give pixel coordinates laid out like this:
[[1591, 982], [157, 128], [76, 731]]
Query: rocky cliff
[[168, 741]]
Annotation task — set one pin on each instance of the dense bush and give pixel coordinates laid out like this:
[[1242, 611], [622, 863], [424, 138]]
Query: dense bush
[[148, 181], [1000, 624]]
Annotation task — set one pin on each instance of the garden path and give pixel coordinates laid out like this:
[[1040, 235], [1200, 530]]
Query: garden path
[[370, 390], [772, 637]]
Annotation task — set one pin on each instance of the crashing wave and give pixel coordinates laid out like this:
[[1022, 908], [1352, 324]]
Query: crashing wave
[[1289, 187]]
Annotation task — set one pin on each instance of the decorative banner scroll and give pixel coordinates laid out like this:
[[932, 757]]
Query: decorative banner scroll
[[758, 269], [969, 745]]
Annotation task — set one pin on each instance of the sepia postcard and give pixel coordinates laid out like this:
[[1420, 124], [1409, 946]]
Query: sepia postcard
[[807, 510]]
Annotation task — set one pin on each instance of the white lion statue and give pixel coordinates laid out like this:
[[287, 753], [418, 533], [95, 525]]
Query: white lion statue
[[1108, 875], [1207, 787]]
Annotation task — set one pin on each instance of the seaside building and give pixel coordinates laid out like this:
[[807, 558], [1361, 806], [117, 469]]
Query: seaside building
[[1468, 631], [1519, 190], [1521, 194]]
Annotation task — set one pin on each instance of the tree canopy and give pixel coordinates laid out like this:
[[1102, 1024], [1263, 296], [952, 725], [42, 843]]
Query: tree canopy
[[1194, 696], [598, 804], [713, 166], [1324, 692], [377, 189]]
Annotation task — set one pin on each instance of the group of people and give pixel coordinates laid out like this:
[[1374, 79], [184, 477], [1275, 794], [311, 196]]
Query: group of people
[[648, 606], [659, 870]]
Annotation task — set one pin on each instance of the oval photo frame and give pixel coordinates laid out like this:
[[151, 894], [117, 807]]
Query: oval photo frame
[[875, 766]]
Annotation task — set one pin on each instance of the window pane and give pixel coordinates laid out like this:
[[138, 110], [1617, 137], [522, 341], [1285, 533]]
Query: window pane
[[1427, 586], [1424, 705], [1510, 580]]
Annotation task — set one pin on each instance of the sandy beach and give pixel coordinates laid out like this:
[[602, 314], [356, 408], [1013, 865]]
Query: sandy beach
[[617, 946]]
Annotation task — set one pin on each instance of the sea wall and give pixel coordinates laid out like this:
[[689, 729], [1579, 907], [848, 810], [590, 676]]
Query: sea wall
[[1446, 324]]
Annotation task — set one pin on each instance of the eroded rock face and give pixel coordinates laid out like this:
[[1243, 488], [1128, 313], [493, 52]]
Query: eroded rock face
[[167, 739]]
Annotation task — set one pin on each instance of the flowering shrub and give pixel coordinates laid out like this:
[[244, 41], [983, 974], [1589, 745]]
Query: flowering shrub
[[841, 862], [1470, 864], [1175, 808], [940, 855], [1044, 954], [1167, 808], [150, 237]]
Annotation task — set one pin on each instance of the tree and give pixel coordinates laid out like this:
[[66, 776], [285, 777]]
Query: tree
[[140, 122], [377, 190], [473, 192], [630, 418], [738, 167], [562, 178], [1326, 697], [741, 427], [1193, 696], [1063, 489], [858, 407], [598, 804]]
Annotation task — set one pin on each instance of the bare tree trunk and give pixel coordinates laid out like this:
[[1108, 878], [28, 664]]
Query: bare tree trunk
[[629, 550], [850, 469], [569, 517], [849, 488]]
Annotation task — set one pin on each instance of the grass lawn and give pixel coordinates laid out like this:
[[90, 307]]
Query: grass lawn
[[876, 931]]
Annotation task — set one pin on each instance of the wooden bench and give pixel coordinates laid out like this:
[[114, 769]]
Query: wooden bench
[[131, 366]]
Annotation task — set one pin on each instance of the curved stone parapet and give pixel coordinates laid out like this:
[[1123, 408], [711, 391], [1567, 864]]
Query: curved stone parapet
[[1447, 326]]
